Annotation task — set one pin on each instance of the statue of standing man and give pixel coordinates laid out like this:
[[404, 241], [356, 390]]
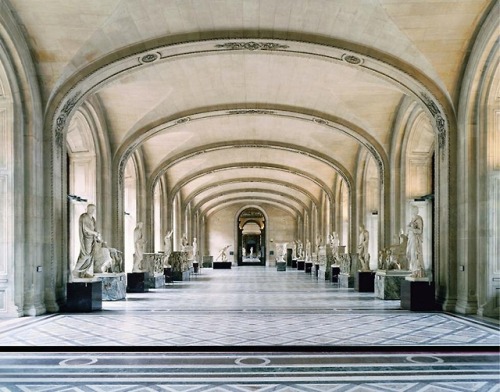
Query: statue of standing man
[[139, 243], [363, 255], [89, 236]]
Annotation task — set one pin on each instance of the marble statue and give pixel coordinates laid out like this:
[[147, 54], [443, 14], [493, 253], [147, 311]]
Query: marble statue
[[363, 255], [139, 244], [168, 244], [300, 249], [222, 254], [89, 236], [414, 251], [184, 242], [334, 244], [107, 259], [394, 257], [308, 251], [251, 252], [195, 248], [244, 252], [294, 250]]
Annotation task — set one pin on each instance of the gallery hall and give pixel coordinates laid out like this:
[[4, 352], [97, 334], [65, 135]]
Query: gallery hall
[[249, 195]]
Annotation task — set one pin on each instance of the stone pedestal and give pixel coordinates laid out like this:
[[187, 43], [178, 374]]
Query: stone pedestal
[[294, 263], [153, 263], [281, 265], [365, 282], [156, 281], [196, 267], [207, 261], [114, 286], [181, 276], [388, 283], [222, 264], [346, 281], [167, 272], [417, 294], [137, 282], [289, 253], [301, 265], [335, 274], [84, 296], [308, 267], [320, 272]]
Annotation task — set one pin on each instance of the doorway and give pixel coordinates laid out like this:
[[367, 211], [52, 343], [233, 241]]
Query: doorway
[[251, 237]]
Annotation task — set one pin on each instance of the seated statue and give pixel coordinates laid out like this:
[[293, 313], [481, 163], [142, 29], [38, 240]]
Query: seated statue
[[394, 257]]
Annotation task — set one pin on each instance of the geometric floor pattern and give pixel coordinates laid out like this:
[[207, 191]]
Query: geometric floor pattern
[[250, 329]]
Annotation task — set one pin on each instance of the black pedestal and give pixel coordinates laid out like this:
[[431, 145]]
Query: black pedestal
[[167, 271], [365, 282], [84, 296], [221, 264], [300, 265], [196, 267], [294, 263], [308, 267], [289, 257], [137, 282], [417, 295], [334, 276]]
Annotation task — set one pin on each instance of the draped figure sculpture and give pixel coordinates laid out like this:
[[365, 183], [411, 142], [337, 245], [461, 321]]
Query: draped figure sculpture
[[195, 249], [414, 252], [167, 241], [363, 255], [89, 236], [139, 244]]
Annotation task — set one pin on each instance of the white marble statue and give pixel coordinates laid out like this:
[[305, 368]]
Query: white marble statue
[[251, 252], [195, 249], [139, 244], [244, 252], [89, 236], [308, 251], [363, 255], [222, 254], [168, 244], [414, 251], [184, 242], [294, 250], [300, 249], [107, 259], [334, 244]]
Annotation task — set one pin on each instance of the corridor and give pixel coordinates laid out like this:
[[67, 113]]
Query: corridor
[[249, 329]]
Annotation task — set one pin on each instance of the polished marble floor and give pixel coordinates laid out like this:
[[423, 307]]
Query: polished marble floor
[[250, 329]]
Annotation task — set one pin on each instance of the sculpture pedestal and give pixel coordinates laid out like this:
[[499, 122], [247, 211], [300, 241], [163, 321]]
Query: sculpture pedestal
[[417, 294], [281, 265], [334, 274], [308, 267], [388, 283], [114, 286], [346, 281], [84, 296], [181, 276], [321, 272], [156, 281], [365, 282], [167, 272], [137, 282], [196, 267], [222, 265], [300, 265], [294, 263], [207, 261]]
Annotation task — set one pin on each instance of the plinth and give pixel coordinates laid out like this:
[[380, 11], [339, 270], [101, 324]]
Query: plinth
[[388, 283], [281, 265], [114, 286], [196, 267], [346, 281], [417, 294], [334, 274], [167, 272], [181, 276], [294, 263], [84, 296], [222, 264], [137, 282], [301, 265], [308, 267], [156, 281], [365, 282]]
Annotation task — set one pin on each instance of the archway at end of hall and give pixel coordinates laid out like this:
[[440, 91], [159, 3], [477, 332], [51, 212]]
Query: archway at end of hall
[[251, 229]]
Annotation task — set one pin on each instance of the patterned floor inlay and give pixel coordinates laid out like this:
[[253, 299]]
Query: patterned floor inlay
[[183, 372]]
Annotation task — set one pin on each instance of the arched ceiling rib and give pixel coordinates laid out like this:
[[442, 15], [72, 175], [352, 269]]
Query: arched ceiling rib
[[247, 200]]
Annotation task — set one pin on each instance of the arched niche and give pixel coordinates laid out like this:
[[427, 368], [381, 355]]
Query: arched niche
[[81, 179], [130, 212]]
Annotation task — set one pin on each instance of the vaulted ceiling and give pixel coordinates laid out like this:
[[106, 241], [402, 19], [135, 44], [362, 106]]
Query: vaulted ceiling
[[266, 100]]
